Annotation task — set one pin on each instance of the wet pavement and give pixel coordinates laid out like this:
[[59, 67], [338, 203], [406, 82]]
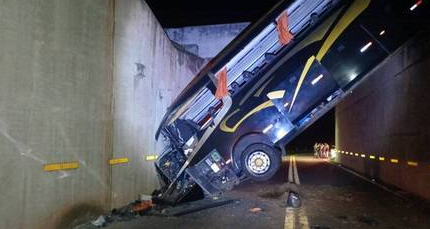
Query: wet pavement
[[331, 198]]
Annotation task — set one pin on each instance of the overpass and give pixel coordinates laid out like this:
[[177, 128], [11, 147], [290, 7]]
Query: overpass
[[84, 85]]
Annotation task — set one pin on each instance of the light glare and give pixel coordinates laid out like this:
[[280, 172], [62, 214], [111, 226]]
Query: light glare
[[317, 79], [366, 47], [268, 128], [416, 5]]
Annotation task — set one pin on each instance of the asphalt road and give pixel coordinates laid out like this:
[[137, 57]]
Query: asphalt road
[[331, 198]]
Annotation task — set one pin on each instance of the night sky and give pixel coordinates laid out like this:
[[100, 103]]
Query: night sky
[[192, 12], [322, 131], [199, 12]]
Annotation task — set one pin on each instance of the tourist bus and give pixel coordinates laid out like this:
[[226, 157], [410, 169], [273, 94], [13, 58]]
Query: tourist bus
[[276, 90]]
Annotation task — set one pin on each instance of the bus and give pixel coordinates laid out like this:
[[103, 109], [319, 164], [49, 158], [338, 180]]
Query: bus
[[275, 90]]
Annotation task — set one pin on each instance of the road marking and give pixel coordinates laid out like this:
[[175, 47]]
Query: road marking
[[296, 218], [289, 218], [373, 157], [296, 172], [290, 170], [303, 218], [413, 163]]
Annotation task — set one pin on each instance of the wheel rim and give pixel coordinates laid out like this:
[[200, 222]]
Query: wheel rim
[[258, 162]]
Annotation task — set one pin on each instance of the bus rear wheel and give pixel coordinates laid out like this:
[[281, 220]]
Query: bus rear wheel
[[260, 161]]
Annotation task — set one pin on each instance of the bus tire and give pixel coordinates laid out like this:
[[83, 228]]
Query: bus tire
[[260, 161]]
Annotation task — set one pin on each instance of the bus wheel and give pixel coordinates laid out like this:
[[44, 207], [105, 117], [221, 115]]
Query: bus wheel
[[260, 162]]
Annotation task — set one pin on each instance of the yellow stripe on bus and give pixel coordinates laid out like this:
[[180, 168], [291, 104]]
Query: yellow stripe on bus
[[225, 128]]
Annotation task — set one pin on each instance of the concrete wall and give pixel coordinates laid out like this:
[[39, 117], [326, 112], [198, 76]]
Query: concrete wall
[[206, 41], [388, 116], [70, 93], [55, 83], [142, 97]]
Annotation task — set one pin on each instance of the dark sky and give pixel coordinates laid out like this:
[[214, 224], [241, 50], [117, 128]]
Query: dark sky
[[182, 13], [322, 131]]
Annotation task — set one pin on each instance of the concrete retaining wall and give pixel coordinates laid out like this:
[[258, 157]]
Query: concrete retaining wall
[[55, 83], [387, 116], [69, 92], [206, 41], [141, 96]]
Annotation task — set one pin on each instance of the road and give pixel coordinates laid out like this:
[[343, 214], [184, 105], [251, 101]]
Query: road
[[331, 198]]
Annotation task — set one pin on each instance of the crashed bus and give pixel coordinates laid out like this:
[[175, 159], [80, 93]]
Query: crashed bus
[[282, 74]]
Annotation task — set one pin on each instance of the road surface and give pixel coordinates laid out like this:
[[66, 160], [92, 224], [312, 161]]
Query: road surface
[[331, 198]]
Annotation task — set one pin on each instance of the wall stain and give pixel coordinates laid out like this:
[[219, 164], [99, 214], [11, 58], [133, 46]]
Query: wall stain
[[77, 215], [140, 68]]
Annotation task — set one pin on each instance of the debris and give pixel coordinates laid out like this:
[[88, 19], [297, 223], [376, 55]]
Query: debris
[[194, 206], [293, 200], [256, 210], [99, 222], [123, 214], [141, 207]]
